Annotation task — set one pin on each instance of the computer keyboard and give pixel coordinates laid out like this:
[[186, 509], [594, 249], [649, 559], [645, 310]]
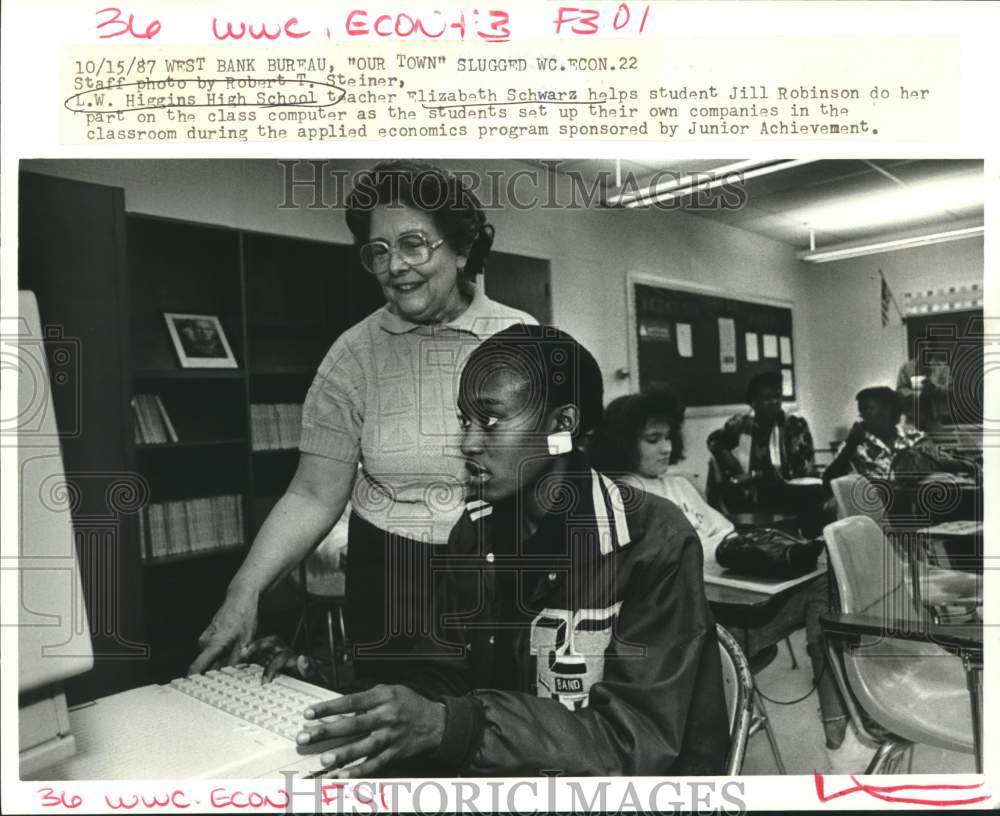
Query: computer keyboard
[[277, 706], [219, 725]]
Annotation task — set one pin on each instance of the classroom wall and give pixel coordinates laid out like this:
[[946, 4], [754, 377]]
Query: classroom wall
[[590, 251], [844, 310]]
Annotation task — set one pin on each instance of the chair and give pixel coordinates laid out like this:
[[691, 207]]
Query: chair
[[724, 496], [322, 580], [737, 682], [757, 711], [912, 678], [713, 486], [937, 588], [857, 496]]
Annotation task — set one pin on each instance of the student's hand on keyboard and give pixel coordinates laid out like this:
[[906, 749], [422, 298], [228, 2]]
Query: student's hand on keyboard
[[276, 656], [231, 629], [389, 723]]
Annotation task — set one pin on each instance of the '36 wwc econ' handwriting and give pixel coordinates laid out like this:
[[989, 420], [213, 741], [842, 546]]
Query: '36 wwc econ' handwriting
[[490, 25]]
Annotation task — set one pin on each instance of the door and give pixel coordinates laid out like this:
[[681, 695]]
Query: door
[[521, 282], [955, 339]]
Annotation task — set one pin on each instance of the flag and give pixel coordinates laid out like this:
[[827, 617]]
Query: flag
[[886, 299]]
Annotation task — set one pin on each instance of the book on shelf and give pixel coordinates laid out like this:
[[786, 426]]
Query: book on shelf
[[143, 535], [171, 432], [190, 526], [275, 426], [152, 422], [139, 424]]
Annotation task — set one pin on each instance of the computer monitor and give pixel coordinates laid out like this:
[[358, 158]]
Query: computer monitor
[[53, 631]]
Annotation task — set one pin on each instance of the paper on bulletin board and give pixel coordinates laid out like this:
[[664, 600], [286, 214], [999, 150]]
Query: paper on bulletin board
[[727, 345], [770, 345], [786, 351], [684, 347], [753, 353], [655, 331], [787, 383]]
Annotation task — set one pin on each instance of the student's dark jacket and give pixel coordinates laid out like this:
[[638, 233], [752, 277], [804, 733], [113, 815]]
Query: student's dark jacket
[[637, 692]]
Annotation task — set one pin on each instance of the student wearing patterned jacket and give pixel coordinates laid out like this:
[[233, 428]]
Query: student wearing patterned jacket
[[766, 459], [877, 445], [570, 631]]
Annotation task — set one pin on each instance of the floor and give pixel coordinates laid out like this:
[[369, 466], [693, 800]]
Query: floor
[[800, 733]]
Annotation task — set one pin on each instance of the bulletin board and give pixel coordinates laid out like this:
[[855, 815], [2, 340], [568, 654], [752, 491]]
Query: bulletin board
[[707, 344]]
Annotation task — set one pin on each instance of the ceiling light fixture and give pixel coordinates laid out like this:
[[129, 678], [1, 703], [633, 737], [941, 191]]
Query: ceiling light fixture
[[680, 187], [893, 207], [844, 251]]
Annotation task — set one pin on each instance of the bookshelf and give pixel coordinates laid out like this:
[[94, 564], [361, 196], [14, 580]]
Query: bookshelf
[[281, 302], [106, 277]]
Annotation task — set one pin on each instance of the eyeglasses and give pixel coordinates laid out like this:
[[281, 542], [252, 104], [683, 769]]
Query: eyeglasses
[[413, 248]]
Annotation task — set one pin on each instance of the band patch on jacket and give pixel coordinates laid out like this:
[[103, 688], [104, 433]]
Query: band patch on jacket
[[568, 646]]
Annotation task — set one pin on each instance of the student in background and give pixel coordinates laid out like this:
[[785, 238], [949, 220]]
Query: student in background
[[877, 445], [924, 393], [640, 437], [766, 458]]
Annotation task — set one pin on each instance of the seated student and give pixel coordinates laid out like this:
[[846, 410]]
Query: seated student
[[575, 626], [640, 437], [759, 452], [877, 444], [924, 393]]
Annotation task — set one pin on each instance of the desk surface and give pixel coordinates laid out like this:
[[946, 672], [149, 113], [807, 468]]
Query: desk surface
[[954, 528], [746, 589], [936, 498], [759, 620], [751, 592], [761, 519], [962, 481], [734, 596]]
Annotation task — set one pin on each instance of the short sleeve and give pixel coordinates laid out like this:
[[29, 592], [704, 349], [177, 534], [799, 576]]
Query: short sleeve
[[334, 409]]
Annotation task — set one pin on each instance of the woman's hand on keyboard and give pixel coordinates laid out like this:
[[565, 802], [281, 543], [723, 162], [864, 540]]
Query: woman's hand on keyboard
[[231, 630], [389, 723], [276, 656]]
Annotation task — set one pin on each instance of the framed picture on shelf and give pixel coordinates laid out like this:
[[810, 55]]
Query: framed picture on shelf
[[199, 341]]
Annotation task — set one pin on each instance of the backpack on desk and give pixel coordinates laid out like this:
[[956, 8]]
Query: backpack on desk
[[763, 552]]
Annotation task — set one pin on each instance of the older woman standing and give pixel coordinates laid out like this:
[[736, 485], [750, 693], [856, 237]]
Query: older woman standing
[[383, 397]]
